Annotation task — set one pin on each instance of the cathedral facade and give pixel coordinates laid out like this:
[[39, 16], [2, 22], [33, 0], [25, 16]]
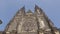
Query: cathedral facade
[[30, 23]]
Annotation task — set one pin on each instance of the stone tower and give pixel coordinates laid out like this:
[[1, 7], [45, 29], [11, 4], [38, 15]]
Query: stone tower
[[31, 23]]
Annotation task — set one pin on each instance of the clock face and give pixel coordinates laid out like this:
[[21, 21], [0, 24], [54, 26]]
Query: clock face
[[29, 25]]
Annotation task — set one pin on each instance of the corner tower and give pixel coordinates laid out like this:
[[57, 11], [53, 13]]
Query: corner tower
[[11, 27], [44, 23]]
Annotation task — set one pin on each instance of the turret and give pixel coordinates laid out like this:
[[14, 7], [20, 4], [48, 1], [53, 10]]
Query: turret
[[12, 25], [43, 24]]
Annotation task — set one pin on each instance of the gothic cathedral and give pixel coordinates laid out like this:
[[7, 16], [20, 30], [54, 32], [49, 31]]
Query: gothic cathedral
[[30, 23]]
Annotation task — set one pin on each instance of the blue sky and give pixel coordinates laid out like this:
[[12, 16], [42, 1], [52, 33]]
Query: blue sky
[[8, 8]]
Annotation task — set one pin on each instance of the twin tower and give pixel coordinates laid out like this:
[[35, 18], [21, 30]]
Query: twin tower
[[31, 23]]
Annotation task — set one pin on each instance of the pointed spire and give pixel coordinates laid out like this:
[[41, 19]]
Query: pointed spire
[[38, 10], [36, 7], [22, 10]]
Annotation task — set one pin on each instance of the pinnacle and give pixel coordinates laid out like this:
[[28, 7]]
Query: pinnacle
[[29, 11], [23, 8], [37, 8]]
